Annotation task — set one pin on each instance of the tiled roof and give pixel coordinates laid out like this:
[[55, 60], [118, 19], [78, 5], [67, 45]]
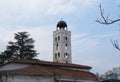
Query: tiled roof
[[47, 70], [48, 63]]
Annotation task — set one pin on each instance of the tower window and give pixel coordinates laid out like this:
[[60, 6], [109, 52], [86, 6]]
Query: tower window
[[65, 28], [66, 38], [57, 46], [66, 55], [57, 28], [58, 38], [59, 55], [55, 56], [66, 47], [55, 39], [66, 61]]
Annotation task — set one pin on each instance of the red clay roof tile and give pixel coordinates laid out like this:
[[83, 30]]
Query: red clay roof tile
[[47, 70], [48, 63]]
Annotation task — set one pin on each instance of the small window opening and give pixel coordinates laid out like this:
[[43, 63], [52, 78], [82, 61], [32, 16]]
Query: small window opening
[[66, 47], [55, 56], [66, 38], [58, 54], [65, 55], [55, 39], [58, 38], [58, 28], [65, 28], [66, 61], [57, 46]]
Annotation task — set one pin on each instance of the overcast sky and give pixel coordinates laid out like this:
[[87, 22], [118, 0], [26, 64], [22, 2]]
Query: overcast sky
[[91, 41]]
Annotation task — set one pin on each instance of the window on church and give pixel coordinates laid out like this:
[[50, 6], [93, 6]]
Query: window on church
[[58, 38], [57, 46], [66, 61], [66, 47], [55, 39], [58, 28], [66, 55], [55, 56], [66, 38], [59, 55], [65, 28]]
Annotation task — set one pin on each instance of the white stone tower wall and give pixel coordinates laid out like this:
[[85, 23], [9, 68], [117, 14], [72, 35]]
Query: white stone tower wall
[[62, 46]]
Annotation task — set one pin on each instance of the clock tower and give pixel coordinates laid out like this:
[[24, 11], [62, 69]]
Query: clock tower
[[62, 43]]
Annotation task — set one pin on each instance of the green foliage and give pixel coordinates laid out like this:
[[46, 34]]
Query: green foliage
[[22, 48]]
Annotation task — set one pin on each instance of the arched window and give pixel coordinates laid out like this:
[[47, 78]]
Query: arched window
[[66, 61], [65, 28], [66, 46], [55, 39], [57, 46], [59, 55], [66, 55], [58, 38], [66, 38], [55, 56]]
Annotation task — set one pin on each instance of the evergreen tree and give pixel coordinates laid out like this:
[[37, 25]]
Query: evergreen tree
[[22, 48]]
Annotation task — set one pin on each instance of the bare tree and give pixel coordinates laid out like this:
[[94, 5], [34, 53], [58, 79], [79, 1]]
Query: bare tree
[[107, 21], [116, 44]]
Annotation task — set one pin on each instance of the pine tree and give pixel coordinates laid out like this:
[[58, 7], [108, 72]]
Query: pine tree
[[22, 48]]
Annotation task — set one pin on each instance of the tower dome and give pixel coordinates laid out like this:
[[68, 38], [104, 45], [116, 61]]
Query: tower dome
[[61, 24]]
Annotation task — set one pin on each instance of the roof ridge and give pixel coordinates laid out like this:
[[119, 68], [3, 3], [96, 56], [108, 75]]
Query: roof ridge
[[47, 70], [50, 63]]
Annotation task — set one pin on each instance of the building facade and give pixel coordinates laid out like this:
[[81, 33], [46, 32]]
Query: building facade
[[34, 70], [112, 74], [115, 73]]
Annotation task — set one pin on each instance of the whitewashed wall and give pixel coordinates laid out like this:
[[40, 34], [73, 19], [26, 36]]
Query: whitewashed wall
[[75, 79], [13, 66], [24, 78], [29, 78]]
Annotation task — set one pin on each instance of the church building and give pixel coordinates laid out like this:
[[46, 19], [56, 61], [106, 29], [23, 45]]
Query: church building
[[61, 69]]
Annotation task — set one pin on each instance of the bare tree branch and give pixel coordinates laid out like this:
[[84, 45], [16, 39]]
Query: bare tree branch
[[105, 20], [116, 44]]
